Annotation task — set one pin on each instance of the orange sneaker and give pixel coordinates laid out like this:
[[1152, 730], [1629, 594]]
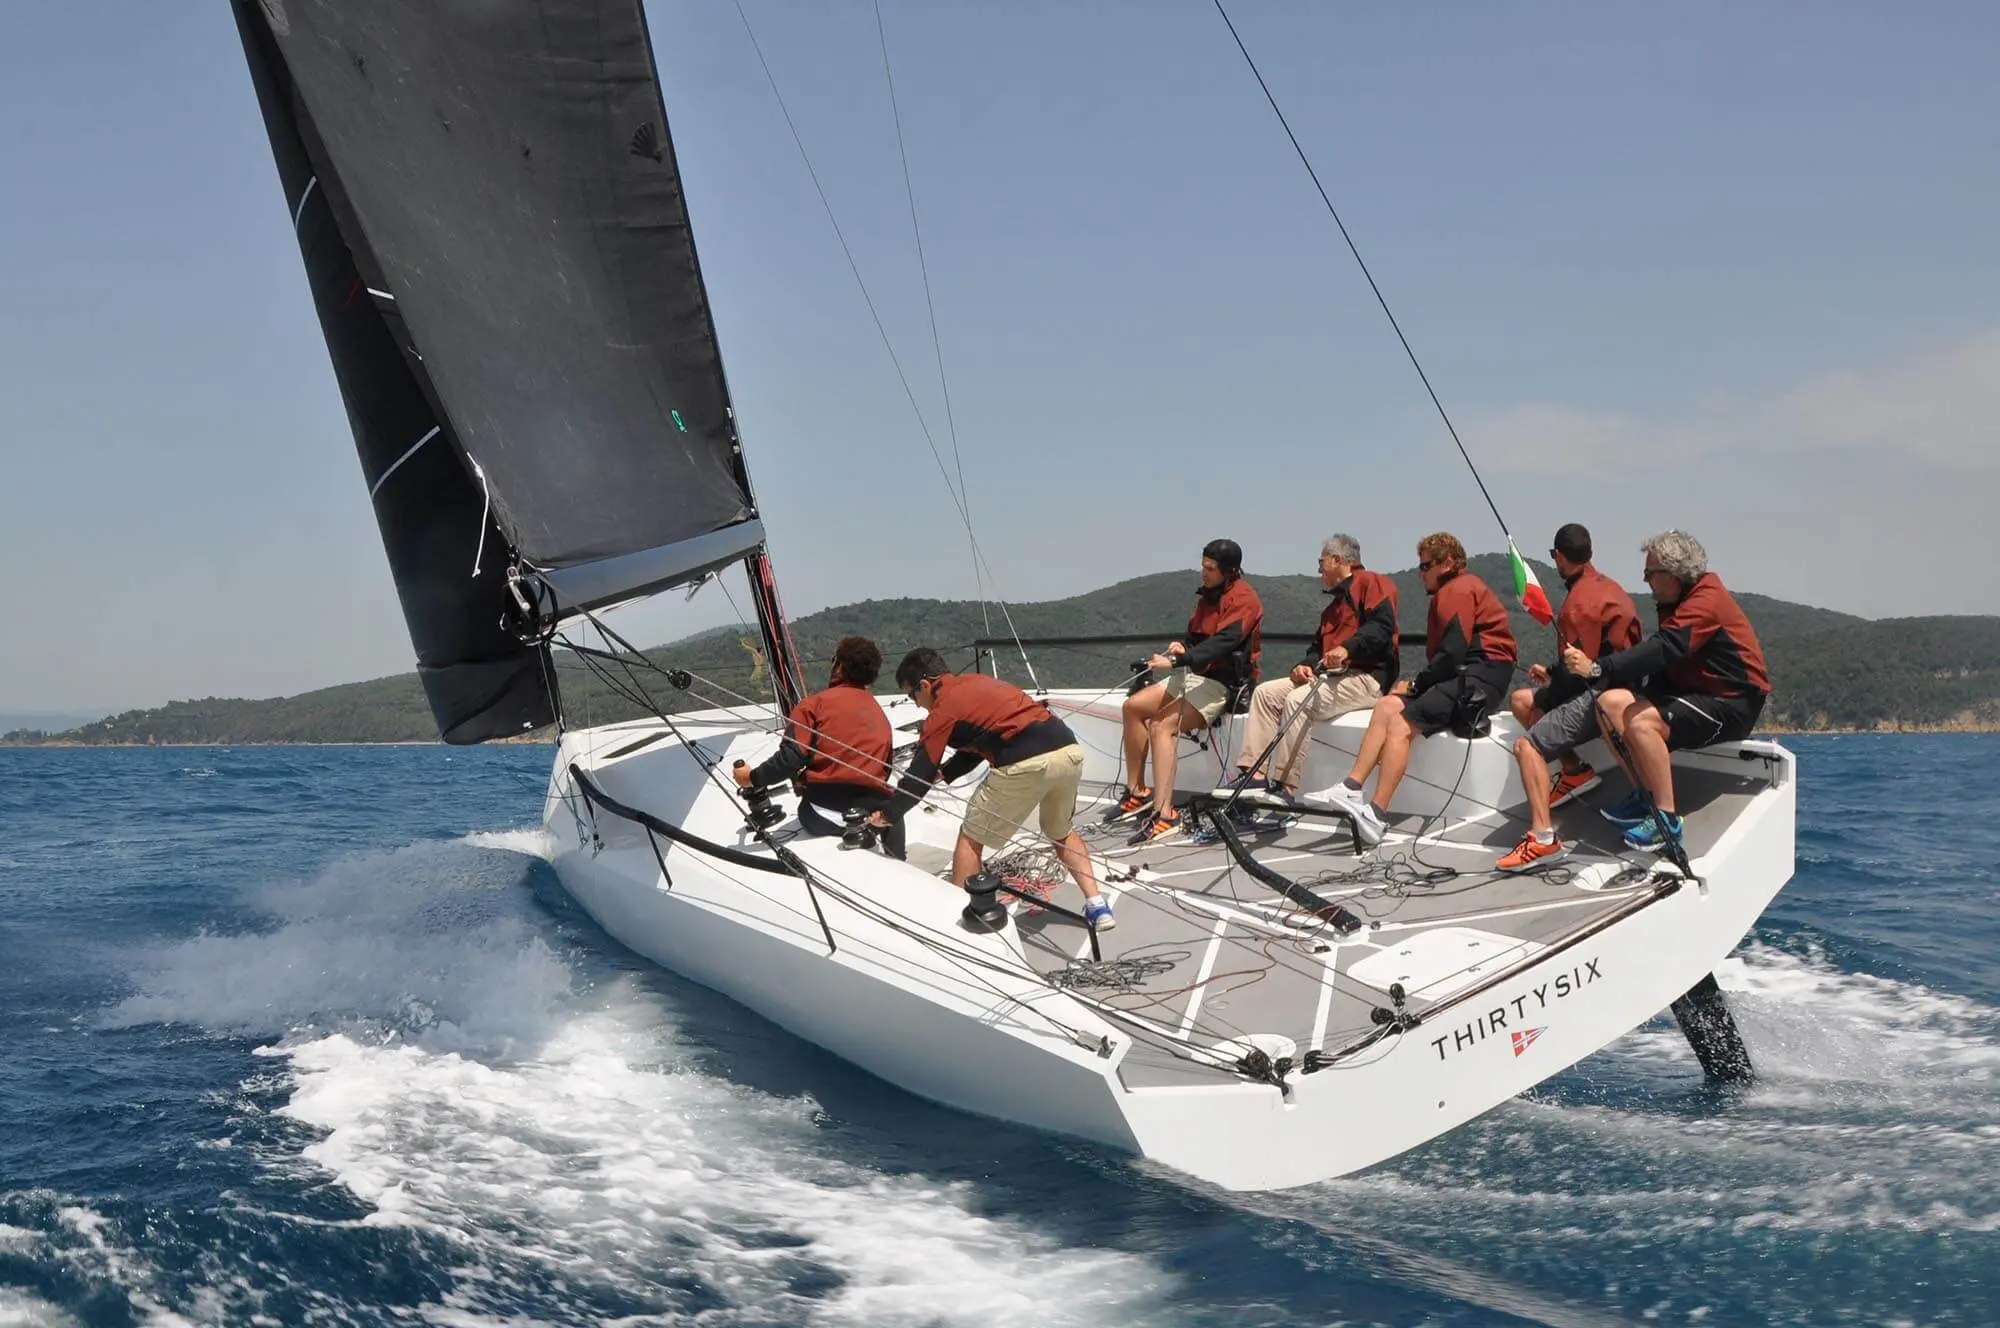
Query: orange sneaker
[[1569, 784], [1134, 800], [1531, 852]]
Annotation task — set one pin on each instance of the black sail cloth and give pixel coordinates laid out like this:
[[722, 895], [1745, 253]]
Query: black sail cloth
[[486, 197]]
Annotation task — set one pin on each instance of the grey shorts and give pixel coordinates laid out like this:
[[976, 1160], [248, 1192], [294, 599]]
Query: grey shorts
[[1565, 728]]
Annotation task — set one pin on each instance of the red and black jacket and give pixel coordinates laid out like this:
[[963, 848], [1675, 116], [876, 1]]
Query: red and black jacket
[[1597, 617], [1227, 619], [1360, 614], [1467, 625], [1705, 646], [980, 719], [838, 736]]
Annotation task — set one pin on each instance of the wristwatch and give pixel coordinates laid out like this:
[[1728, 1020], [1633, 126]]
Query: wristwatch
[[1596, 670]]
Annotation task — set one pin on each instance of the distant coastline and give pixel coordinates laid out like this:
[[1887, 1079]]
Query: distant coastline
[[1831, 672]]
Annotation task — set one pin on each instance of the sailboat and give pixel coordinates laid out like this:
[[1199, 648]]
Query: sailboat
[[499, 251]]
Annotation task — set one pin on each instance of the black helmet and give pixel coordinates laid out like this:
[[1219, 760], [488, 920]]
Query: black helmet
[[1228, 555]]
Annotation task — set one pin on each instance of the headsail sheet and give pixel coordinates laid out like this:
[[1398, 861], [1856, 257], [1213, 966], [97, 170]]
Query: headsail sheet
[[504, 171]]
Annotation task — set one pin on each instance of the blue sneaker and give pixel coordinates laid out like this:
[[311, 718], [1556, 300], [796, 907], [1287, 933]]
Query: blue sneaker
[[1648, 837], [1632, 811], [1097, 912]]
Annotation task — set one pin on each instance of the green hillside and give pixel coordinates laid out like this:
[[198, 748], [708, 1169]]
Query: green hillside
[[1830, 669]]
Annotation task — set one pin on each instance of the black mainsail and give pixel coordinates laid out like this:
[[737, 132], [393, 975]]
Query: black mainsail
[[486, 198]]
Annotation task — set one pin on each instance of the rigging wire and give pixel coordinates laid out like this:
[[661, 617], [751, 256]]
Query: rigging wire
[[930, 307], [1351, 248], [930, 440]]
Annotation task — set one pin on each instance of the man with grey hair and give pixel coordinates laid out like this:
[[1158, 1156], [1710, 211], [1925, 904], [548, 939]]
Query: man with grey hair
[[1700, 679], [1351, 661]]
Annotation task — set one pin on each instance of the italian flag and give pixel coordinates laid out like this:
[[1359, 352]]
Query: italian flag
[[1527, 589]]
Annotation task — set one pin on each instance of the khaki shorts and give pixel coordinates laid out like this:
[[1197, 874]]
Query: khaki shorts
[[1045, 783], [1204, 693]]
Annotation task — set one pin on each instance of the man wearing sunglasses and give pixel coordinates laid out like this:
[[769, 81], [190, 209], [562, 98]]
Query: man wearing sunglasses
[[1560, 712], [1699, 680], [1036, 762], [1472, 654]]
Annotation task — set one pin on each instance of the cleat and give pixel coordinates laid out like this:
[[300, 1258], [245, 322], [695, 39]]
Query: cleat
[[1569, 784], [1097, 912], [1651, 836], [1131, 801], [1631, 811], [1531, 854], [1158, 828]]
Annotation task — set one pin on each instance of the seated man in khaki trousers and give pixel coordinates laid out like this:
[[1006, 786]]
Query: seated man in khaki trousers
[[1349, 665]]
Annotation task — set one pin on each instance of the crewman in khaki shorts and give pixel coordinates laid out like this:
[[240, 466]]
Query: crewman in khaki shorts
[[1224, 638], [1036, 767]]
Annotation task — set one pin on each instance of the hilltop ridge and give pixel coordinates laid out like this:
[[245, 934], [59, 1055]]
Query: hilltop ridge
[[1830, 669]]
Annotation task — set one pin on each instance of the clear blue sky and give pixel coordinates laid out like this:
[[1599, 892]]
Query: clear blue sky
[[1719, 266]]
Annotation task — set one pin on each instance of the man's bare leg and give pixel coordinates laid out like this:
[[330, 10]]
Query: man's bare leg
[[1174, 719], [1137, 714], [1646, 739], [1611, 710], [1400, 733], [966, 858], [1535, 779], [1522, 703], [1076, 858], [1387, 711]]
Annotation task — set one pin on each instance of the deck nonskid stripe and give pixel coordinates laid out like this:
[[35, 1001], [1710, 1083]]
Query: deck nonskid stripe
[[1208, 958]]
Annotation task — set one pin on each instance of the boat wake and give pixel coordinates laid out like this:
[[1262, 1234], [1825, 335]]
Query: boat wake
[[480, 1083]]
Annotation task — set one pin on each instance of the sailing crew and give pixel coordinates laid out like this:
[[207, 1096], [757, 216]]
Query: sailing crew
[[1350, 662], [837, 747], [1471, 660], [1036, 762], [1560, 712], [1224, 639], [1700, 679]]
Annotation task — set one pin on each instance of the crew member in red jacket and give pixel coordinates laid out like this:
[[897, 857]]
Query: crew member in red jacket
[[1351, 660], [1472, 655], [1224, 638], [1700, 680], [837, 746], [1036, 762], [1599, 619]]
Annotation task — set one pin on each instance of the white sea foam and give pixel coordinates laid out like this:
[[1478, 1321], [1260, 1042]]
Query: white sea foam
[[427, 941], [534, 841], [1873, 1110], [20, 1310], [469, 1085], [633, 1177]]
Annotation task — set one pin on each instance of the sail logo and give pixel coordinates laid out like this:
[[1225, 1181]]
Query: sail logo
[[646, 143], [1495, 1021]]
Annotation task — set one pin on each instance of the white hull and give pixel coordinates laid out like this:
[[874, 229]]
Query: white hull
[[966, 1020]]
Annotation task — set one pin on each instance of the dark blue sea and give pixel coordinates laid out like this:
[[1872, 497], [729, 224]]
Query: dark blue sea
[[312, 1036]]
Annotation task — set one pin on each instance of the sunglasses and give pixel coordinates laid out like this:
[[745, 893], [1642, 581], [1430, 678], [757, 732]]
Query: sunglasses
[[1425, 567], [1652, 572]]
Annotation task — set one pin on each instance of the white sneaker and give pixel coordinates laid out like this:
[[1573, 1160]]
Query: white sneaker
[[1339, 795], [1368, 827]]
